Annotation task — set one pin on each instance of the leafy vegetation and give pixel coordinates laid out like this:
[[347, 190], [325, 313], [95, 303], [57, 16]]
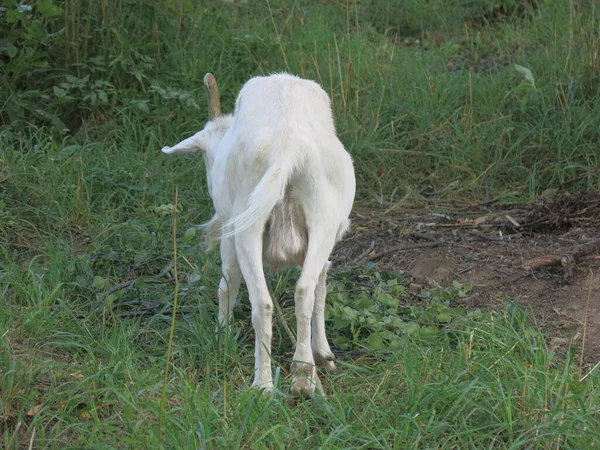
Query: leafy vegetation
[[462, 99], [367, 310]]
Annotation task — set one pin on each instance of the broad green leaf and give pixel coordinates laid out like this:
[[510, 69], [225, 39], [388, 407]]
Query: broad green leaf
[[444, 317], [428, 333], [11, 50], [103, 97], [394, 322], [12, 15], [386, 299], [99, 282], [411, 328], [59, 92], [375, 341]]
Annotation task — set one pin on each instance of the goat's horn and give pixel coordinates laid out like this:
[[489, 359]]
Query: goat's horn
[[214, 101]]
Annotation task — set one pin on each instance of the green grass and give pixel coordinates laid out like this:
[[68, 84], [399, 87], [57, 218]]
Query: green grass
[[85, 210], [83, 380]]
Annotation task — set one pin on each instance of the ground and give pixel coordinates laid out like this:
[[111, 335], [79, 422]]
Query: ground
[[488, 246]]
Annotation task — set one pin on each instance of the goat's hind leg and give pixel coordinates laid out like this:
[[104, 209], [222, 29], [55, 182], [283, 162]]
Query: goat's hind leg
[[248, 245], [305, 379], [322, 353]]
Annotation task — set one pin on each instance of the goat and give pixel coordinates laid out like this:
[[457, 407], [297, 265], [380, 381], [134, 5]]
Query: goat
[[282, 186]]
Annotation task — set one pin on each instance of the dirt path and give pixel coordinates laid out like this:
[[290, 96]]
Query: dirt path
[[488, 248]]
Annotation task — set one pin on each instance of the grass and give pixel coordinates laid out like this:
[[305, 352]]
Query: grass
[[426, 98], [84, 384]]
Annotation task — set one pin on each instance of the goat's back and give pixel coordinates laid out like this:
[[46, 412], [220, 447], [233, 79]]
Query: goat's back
[[286, 106]]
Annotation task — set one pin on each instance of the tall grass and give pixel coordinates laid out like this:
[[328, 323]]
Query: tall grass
[[427, 89]]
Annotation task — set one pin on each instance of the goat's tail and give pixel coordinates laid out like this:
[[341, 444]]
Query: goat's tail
[[268, 192], [189, 145]]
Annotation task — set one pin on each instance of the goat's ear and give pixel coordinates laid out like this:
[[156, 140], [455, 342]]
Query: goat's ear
[[192, 144]]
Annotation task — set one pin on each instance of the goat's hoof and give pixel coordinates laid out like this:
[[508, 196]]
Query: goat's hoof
[[305, 381], [265, 388], [326, 361]]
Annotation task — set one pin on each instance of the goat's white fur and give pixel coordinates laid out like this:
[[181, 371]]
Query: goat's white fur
[[282, 185]]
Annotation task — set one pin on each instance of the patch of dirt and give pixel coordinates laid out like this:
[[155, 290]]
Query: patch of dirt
[[545, 257]]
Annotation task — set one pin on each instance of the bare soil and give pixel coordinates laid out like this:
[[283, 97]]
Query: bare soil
[[545, 257]]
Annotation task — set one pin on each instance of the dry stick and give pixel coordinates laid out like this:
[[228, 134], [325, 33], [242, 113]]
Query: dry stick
[[397, 248], [118, 287], [590, 371], [545, 261], [495, 224], [585, 317], [163, 397], [188, 262], [423, 236], [364, 254], [554, 260], [548, 261]]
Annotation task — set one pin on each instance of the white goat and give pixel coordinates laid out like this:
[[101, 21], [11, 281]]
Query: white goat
[[282, 185]]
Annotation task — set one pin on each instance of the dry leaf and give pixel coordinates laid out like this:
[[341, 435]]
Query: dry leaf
[[34, 411]]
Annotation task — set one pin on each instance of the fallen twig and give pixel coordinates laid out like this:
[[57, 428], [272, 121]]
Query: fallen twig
[[359, 259], [512, 220], [568, 260], [118, 287], [492, 224], [423, 236], [548, 261], [545, 261]]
